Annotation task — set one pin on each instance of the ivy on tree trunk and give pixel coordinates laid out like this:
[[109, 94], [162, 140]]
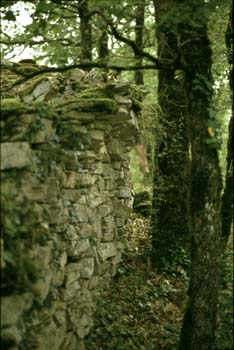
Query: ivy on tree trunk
[[200, 316], [170, 216], [227, 198]]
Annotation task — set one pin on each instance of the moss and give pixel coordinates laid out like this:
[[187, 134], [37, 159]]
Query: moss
[[10, 106], [44, 110], [26, 69], [90, 105], [105, 91]]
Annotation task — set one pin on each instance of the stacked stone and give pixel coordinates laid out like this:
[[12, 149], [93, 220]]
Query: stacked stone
[[65, 165]]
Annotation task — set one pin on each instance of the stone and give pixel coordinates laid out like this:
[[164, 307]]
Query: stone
[[120, 222], [43, 255], [70, 179], [76, 248], [127, 102], [81, 212], [38, 92], [42, 193], [73, 195], [107, 250], [84, 325], [121, 209], [86, 267], [72, 272], [11, 335], [105, 210], [85, 180], [41, 288], [115, 150], [131, 127], [12, 308], [122, 115], [93, 282], [15, 155], [54, 335], [63, 260], [45, 134], [85, 230], [97, 140], [70, 292], [124, 192], [122, 89], [108, 229], [80, 181], [116, 165]]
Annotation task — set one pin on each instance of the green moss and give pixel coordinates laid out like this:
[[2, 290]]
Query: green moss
[[90, 105], [26, 69], [105, 91], [12, 106]]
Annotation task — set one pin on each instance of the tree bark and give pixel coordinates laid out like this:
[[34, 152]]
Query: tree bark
[[227, 198], [170, 216], [200, 316], [103, 52], [139, 28], [85, 32]]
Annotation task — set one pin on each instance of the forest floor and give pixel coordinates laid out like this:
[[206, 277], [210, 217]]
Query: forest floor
[[143, 309]]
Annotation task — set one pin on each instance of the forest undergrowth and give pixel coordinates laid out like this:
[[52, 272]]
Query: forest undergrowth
[[143, 309]]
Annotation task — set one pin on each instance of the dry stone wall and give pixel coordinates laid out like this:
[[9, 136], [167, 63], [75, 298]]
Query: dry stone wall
[[66, 197]]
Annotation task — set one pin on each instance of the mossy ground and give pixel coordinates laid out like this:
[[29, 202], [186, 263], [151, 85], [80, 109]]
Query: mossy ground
[[143, 309]]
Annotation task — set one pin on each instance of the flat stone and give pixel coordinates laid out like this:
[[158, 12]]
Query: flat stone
[[121, 209], [86, 267], [76, 248], [123, 101], [39, 92], [15, 155], [84, 325], [131, 128], [107, 250]]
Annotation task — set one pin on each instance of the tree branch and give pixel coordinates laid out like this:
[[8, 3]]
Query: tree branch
[[64, 41], [15, 67]]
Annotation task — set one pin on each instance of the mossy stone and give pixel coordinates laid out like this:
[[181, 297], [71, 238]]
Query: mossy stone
[[10, 106], [90, 105]]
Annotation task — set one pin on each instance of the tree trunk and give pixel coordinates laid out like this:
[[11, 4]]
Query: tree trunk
[[170, 217], [103, 52], [139, 28], [85, 32], [200, 316], [227, 198]]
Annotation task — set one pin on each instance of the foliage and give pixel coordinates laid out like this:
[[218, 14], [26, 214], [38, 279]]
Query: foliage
[[224, 333], [142, 309], [20, 232]]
